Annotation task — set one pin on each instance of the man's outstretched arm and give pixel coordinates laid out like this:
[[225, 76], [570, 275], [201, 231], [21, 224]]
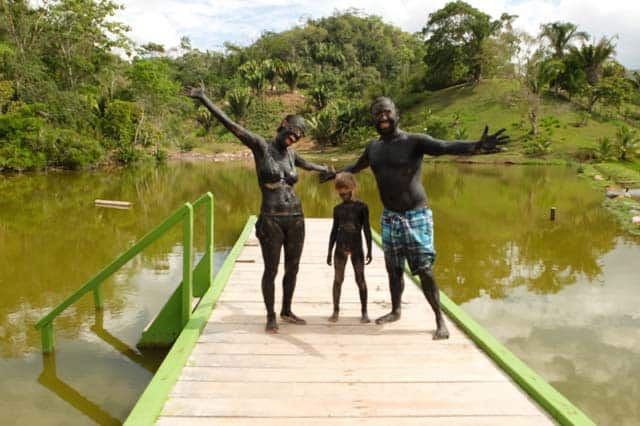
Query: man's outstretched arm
[[485, 145], [360, 164]]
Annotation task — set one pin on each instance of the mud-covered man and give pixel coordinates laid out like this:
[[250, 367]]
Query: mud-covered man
[[350, 221], [407, 223]]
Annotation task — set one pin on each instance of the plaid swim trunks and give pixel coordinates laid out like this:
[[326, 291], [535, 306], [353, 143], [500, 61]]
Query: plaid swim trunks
[[409, 236]]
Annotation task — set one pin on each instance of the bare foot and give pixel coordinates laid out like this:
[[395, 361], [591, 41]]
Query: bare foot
[[272, 326], [334, 317], [365, 319], [441, 333], [292, 318], [390, 317]]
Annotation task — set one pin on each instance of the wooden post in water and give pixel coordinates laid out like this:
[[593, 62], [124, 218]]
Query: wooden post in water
[[552, 214]]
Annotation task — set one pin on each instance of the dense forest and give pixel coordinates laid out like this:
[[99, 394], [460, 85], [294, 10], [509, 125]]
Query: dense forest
[[75, 91]]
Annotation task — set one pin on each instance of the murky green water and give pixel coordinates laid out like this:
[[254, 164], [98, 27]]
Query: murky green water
[[562, 295]]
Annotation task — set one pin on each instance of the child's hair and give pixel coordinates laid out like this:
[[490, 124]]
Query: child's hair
[[346, 180]]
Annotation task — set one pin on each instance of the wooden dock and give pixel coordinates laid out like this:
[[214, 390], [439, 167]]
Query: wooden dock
[[342, 373]]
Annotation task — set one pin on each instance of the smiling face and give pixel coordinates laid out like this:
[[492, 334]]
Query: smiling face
[[384, 115], [291, 130]]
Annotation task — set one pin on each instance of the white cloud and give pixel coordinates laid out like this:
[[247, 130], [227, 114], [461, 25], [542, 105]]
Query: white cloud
[[209, 23]]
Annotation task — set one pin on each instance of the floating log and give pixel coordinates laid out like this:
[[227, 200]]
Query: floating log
[[114, 204]]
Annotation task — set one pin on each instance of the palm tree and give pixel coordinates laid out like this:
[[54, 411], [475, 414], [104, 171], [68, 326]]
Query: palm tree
[[593, 57], [560, 35], [290, 73], [627, 142], [270, 71], [239, 100]]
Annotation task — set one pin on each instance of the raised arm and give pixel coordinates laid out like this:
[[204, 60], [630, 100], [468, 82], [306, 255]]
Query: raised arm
[[366, 228], [248, 138], [332, 237], [485, 145]]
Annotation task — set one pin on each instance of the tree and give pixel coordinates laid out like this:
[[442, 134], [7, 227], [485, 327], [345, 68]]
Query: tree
[[290, 74], [560, 35], [539, 72], [592, 59], [456, 38], [270, 71], [254, 75], [239, 101], [21, 30], [79, 38], [627, 142]]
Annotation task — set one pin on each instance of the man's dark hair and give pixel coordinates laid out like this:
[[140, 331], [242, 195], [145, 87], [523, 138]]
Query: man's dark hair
[[381, 99]]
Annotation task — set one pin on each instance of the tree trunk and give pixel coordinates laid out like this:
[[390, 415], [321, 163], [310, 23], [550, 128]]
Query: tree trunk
[[533, 120]]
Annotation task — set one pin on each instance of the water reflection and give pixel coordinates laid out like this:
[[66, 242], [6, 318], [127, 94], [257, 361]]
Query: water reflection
[[559, 294], [49, 379]]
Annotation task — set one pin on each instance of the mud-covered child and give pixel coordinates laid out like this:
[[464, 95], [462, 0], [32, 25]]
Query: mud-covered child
[[350, 220]]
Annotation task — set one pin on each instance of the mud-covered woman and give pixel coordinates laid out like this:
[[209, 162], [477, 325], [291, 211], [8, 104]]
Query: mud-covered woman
[[281, 221]]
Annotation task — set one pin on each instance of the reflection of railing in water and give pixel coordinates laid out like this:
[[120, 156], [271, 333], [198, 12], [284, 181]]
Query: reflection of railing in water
[[50, 380], [138, 358]]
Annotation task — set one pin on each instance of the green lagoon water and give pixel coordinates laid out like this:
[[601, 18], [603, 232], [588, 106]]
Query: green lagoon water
[[562, 295]]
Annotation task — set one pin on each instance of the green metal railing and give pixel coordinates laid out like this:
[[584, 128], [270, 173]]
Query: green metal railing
[[183, 214]]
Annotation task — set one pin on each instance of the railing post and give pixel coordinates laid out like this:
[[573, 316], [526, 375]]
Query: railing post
[[98, 297], [209, 239], [187, 261], [48, 338]]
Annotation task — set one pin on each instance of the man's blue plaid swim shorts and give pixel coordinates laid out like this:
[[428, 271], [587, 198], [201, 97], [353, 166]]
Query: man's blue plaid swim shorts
[[408, 235]]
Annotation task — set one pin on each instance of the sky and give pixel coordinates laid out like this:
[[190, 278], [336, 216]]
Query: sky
[[210, 23]]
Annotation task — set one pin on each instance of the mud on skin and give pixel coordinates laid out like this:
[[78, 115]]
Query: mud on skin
[[350, 220], [396, 161], [281, 221]]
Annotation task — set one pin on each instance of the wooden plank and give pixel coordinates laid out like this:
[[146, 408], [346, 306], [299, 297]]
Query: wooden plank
[[289, 346], [327, 360], [382, 406], [451, 398], [477, 370], [359, 421]]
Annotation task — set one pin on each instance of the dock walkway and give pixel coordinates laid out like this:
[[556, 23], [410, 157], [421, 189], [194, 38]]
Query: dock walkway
[[343, 373]]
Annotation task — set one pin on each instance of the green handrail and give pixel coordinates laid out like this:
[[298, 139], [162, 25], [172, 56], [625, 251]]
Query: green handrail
[[184, 214]]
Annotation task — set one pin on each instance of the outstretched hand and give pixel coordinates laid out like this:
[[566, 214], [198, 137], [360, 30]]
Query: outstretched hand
[[368, 258], [329, 259], [328, 174], [194, 92], [490, 143]]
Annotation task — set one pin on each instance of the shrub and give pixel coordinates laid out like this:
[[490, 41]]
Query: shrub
[[606, 150], [627, 142], [20, 142], [319, 96], [239, 100], [70, 150]]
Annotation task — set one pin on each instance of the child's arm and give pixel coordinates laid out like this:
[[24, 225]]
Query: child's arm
[[332, 237], [366, 228]]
